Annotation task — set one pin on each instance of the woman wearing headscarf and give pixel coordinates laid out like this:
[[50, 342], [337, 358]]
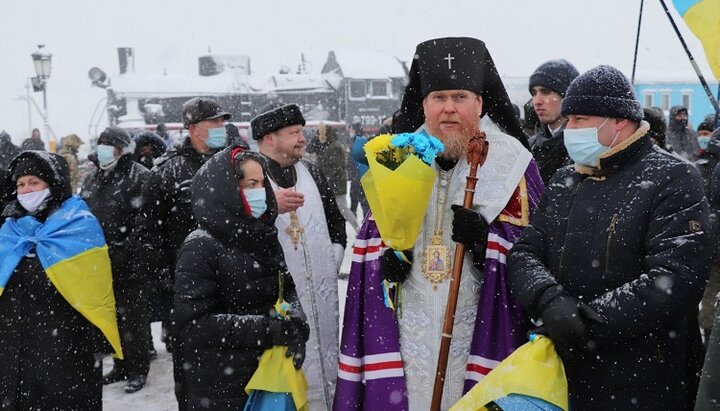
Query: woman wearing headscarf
[[56, 298], [227, 282]]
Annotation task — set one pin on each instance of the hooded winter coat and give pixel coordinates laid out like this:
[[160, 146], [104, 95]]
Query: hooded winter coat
[[145, 139], [680, 138], [549, 152], [8, 150], [226, 282], [629, 240], [46, 346]]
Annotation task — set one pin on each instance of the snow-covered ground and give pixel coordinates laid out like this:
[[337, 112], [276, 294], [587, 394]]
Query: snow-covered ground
[[158, 393]]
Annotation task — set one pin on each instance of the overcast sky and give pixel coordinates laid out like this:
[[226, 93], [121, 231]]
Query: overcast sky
[[170, 34]]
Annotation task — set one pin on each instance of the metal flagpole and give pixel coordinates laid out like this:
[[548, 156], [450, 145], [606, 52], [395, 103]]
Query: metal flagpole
[[637, 42], [713, 101]]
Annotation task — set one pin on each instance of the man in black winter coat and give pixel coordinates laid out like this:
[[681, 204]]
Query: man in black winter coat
[[615, 259], [709, 165], [681, 138], [547, 86], [113, 191], [170, 193], [34, 142]]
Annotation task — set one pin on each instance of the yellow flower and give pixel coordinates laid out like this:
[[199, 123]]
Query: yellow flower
[[377, 144]]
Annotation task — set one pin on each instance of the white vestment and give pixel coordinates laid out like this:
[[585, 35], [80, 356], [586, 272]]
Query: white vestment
[[423, 308], [313, 269]]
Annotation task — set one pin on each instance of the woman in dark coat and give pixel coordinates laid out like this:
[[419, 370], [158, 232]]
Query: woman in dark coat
[[47, 344], [227, 281]]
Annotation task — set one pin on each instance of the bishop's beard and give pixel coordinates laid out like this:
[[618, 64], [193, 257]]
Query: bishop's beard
[[455, 145]]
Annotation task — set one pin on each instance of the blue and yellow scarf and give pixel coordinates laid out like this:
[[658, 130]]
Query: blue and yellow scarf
[[71, 248]]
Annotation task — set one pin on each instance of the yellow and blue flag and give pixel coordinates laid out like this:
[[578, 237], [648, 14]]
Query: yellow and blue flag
[[531, 378], [703, 18], [71, 248]]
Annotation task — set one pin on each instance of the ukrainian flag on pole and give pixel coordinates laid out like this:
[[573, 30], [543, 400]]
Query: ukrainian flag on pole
[[703, 18]]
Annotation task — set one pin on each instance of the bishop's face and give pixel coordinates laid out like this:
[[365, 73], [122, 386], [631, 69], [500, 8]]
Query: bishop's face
[[453, 117]]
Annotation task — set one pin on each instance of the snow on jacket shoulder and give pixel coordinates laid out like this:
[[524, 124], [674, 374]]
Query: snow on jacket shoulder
[[630, 241]]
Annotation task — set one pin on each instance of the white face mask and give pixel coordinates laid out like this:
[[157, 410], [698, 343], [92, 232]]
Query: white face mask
[[31, 201]]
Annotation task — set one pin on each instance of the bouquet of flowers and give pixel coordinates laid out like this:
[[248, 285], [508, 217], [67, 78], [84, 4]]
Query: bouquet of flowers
[[399, 183]]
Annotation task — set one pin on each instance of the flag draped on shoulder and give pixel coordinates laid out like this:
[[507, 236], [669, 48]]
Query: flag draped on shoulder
[[703, 18], [71, 248]]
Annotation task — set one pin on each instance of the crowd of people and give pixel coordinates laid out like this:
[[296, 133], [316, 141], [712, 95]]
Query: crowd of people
[[594, 222]]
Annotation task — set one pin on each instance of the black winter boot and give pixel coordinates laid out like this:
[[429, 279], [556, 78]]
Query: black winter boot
[[135, 383], [115, 375]]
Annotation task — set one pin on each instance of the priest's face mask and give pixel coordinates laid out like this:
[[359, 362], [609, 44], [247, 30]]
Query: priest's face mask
[[453, 116]]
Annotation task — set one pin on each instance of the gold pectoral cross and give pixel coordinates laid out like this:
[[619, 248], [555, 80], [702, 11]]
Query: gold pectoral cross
[[295, 230]]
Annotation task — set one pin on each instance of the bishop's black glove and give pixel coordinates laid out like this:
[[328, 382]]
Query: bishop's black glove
[[286, 333], [393, 268], [469, 228]]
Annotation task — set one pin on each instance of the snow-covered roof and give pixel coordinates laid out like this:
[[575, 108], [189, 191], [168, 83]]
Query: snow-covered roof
[[175, 85], [297, 82], [365, 64]]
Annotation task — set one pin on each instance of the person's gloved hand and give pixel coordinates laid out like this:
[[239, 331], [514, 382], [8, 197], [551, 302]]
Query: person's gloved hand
[[297, 351], [166, 282], [468, 227], [339, 255], [565, 320], [298, 317], [282, 332], [291, 332], [393, 268]]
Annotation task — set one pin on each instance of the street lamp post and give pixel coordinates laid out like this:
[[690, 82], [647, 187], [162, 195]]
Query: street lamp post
[[43, 68]]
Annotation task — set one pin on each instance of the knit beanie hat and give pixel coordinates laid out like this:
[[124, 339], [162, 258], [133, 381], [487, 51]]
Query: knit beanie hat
[[555, 75], [602, 91]]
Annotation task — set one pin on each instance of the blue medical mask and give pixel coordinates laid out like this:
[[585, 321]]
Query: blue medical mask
[[703, 142], [583, 146], [256, 200], [217, 138], [105, 154]]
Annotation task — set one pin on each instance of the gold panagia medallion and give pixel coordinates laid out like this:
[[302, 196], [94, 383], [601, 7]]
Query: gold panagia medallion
[[436, 262]]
